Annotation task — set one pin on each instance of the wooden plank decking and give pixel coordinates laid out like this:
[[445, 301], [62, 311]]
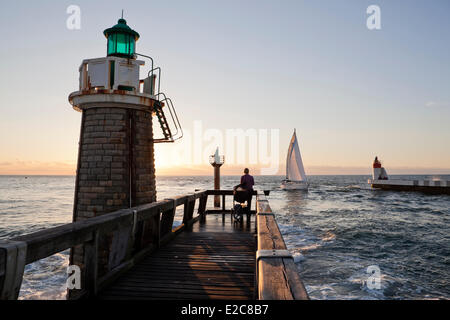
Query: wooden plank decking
[[214, 260], [206, 257]]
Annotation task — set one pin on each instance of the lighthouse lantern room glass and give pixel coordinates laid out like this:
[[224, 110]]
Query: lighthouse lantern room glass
[[121, 40]]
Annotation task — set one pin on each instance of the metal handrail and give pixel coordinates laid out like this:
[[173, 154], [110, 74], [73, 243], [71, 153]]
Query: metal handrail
[[173, 114], [153, 69], [170, 105], [177, 120], [159, 77], [148, 57]]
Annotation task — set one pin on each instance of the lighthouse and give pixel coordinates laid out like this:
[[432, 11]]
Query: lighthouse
[[116, 165], [379, 173], [216, 161]]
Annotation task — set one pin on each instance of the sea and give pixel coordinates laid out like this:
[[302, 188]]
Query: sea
[[348, 240]]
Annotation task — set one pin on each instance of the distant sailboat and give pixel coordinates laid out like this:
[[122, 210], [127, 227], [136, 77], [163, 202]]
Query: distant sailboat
[[295, 173]]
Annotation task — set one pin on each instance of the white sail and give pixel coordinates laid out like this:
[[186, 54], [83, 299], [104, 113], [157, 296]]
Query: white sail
[[294, 163]]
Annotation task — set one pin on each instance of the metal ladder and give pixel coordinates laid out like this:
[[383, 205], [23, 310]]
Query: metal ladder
[[163, 123], [169, 136]]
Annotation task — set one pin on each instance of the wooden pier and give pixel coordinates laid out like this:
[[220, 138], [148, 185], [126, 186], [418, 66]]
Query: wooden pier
[[208, 256], [423, 186]]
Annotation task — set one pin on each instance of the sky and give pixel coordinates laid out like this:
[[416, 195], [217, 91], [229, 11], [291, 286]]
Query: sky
[[269, 66]]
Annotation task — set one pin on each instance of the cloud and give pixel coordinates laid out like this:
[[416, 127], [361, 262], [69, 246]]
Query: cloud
[[434, 104]]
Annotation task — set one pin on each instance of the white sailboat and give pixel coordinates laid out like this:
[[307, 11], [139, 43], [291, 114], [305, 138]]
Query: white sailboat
[[295, 173]]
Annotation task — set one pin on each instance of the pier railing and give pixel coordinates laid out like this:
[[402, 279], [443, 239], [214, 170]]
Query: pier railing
[[277, 275], [129, 243], [136, 232], [223, 194]]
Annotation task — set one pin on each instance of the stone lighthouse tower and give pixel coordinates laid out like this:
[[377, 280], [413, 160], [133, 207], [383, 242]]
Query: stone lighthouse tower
[[116, 167]]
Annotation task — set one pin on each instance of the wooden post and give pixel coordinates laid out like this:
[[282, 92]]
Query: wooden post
[[2, 267], [223, 202], [146, 231], [167, 219], [91, 265], [202, 206], [217, 184], [120, 243], [12, 265], [155, 235], [189, 206]]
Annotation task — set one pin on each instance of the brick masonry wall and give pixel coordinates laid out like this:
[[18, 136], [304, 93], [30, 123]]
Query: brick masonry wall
[[116, 167]]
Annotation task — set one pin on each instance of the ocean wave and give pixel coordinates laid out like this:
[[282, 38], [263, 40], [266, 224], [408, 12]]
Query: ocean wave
[[334, 232], [46, 279], [328, 236]]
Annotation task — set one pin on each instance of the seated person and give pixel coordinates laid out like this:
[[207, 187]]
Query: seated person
[[245, 188]]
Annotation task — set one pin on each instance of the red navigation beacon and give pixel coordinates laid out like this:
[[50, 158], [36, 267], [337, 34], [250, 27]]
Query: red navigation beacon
[[376, 163]]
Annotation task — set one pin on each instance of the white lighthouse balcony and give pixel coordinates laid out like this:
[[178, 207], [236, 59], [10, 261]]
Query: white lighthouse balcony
[[110, 73], [114, 81]]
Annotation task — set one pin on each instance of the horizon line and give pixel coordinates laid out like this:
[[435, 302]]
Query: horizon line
[[228, 175]]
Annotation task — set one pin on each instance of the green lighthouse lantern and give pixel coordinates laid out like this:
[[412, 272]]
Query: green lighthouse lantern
[[121, 40]]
